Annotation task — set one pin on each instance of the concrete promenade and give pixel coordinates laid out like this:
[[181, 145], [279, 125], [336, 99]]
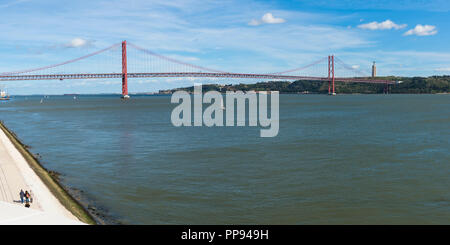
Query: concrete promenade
[[16, 174]]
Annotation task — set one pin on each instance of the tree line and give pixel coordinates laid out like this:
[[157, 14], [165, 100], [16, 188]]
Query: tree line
[[409, 85]]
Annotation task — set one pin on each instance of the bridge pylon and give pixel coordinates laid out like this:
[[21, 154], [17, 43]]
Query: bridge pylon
[[124, 71], [331, 74]]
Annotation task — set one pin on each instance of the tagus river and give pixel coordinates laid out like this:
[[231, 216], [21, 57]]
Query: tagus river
[[346, 159]]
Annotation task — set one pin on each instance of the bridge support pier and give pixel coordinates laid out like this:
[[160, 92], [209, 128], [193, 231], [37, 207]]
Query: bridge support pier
[[124, 71]]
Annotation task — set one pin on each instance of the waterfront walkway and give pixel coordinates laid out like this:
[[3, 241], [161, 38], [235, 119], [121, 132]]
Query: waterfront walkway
[[16, 174]]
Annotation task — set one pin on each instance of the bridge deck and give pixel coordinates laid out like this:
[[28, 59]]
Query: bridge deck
[[189, 74]]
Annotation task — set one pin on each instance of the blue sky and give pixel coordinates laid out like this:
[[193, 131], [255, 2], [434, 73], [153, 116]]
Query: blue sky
[[405, 37]]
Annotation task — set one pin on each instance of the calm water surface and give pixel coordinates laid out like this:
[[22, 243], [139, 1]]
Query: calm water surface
[[347, 159]]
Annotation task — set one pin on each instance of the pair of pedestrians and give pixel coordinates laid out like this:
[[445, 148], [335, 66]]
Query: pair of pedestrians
[[27, 197]]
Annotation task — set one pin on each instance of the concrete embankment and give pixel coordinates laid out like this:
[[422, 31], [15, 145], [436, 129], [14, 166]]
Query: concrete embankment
[[19, 169]]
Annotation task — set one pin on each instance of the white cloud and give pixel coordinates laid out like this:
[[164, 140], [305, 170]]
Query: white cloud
[[267, 18], [5, 5], [422, 30], [77, 43], [254, 23], [355, 67], [385, 25], [443, 69], [183, 58]]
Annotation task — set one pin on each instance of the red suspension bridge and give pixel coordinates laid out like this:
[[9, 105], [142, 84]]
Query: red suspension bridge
[[163, 66]]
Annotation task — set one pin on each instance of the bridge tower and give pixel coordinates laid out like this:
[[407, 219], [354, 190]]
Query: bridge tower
[[331, 74], [374, 70], [124, 71]]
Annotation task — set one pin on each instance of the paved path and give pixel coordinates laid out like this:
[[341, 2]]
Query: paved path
[[11, 180], [16, 174]]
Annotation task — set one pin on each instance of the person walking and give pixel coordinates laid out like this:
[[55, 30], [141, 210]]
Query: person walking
[[27, 196], [27, 199], [31, 196], [22, 194]]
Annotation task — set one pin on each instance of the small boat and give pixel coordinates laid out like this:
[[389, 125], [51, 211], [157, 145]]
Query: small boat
[[4, 95]]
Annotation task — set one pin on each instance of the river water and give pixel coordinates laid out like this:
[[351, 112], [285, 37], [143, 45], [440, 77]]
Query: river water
[[346, 159]]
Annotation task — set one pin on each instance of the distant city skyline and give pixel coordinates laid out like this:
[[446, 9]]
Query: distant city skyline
[[405, 38]]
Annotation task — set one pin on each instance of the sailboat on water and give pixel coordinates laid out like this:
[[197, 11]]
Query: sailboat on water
[[3, 95]]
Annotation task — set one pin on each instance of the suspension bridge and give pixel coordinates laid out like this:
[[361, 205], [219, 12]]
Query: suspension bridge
[[148, 64]]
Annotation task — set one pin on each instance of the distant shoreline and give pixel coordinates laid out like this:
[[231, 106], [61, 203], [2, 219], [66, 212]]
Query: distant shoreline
[[404, 85]]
